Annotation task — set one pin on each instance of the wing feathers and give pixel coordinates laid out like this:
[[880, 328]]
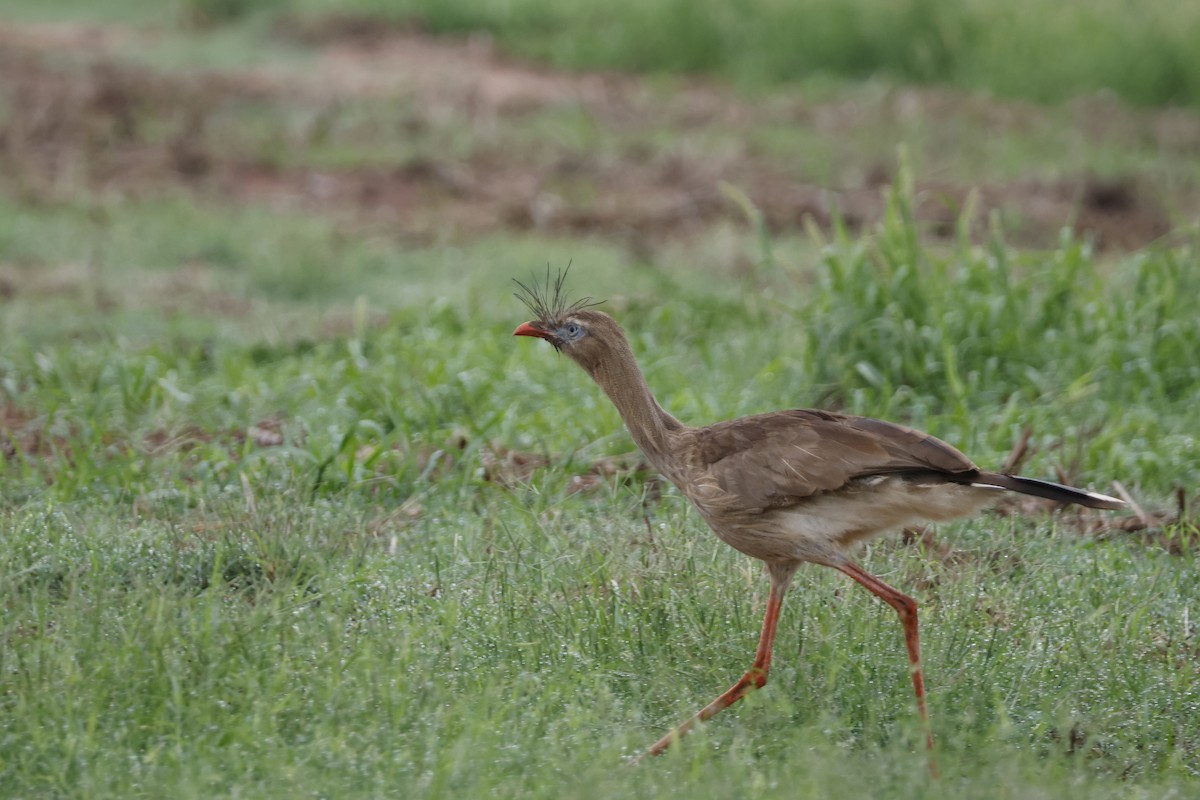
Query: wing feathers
[[777, 460], [774, 460]]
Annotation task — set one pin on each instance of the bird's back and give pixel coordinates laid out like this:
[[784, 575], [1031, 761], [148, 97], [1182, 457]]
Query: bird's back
[[783, 458]]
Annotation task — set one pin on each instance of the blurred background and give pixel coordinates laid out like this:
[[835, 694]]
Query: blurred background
[[408, 139]]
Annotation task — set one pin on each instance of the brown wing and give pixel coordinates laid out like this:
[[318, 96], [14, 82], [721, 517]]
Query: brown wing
[[777, 459]]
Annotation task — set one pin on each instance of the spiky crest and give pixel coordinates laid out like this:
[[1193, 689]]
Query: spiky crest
[[547, 305]]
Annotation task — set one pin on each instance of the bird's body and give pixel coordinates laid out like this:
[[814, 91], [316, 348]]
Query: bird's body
[[806, 486], [787, 487]]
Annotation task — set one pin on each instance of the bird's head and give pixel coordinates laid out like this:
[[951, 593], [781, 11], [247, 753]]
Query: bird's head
[[575, 329]]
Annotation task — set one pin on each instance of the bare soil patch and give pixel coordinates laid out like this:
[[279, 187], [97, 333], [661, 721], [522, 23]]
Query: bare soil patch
[[108, 126]]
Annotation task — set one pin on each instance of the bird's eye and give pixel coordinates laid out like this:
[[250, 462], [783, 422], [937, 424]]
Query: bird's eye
[[573, 329]]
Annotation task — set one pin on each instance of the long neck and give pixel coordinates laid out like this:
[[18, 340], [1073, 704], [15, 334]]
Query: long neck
[[650, 426]]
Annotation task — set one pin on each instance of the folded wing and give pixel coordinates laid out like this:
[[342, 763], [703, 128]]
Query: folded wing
[[778, 459]]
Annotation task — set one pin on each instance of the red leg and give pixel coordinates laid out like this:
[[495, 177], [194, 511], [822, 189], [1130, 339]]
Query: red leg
[[906, 607], [755, 678]]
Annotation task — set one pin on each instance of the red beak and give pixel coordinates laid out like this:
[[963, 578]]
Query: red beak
[[527, 329]]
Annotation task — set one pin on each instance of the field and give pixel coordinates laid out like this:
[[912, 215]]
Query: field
[[286, 511]]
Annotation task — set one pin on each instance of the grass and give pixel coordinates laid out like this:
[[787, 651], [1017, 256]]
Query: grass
[[194, 610], [285, 510], [1018, 50], [282, 651]]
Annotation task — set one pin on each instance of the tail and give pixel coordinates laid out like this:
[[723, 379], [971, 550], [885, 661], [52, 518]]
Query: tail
[[1051, 491]]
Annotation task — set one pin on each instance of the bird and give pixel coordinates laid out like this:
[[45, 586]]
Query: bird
[[794, 487]]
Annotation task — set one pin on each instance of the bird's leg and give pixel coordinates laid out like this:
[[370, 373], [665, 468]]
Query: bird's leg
[[755, 677], [906, 607]]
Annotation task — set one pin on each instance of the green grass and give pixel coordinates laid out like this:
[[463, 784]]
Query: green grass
[[355, 609], [286, 650], [1021, 49]]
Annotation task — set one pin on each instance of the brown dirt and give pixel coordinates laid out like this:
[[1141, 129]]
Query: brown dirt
[[24, 435], [19, 434], [113, 127], [508, 467]]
